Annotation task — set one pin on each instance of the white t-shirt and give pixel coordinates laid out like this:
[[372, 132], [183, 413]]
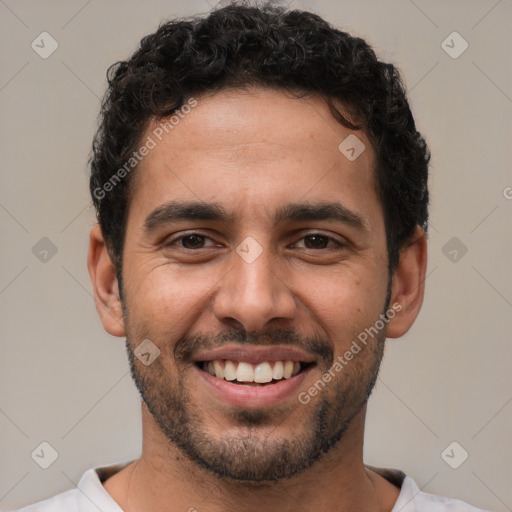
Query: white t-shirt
[[91, 496]]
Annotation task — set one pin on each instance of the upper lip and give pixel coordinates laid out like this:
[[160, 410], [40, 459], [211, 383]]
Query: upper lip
[[251, 354]]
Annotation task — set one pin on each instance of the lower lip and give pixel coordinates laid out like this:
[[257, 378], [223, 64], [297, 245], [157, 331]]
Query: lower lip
[[253, 397]]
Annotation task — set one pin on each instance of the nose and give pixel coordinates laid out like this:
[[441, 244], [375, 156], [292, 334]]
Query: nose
[[252, 295]]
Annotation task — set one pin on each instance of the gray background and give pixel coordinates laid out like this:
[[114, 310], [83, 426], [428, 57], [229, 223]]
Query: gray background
[[65, 381]]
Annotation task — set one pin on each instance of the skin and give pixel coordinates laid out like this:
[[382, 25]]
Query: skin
[[252, 152]]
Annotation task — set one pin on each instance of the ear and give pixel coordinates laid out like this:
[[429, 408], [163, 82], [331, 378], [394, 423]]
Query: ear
[[104, 282], [408, 285]]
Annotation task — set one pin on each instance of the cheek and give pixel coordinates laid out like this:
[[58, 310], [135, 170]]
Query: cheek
[[167, 301], [346, 301]]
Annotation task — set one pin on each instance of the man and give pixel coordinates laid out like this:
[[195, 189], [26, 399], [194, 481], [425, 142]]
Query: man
[[261, 193]]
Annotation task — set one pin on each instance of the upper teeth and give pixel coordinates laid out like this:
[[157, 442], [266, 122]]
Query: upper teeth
[[247, 372]]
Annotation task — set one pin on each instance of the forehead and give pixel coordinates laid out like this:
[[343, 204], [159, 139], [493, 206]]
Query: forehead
[[256, 150]]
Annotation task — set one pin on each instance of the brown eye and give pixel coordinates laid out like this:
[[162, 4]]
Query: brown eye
[[193, 241], [316, 241]]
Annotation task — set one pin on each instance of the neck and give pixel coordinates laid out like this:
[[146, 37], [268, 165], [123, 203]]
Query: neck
[[164, 479]]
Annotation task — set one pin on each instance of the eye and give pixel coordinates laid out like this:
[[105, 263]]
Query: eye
[[317, 241], [191, 241]]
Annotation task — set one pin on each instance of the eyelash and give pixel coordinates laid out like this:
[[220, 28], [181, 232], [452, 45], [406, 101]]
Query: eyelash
[[339, 245], [181, 237]]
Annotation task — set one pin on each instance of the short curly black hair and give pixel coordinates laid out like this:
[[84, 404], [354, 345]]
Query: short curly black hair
[[243, 45]]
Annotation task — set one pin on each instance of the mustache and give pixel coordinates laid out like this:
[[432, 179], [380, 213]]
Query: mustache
[[189, 345]]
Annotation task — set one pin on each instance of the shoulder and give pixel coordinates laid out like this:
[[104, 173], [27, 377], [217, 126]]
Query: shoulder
[[66, 501], [88, 496], [412, 499]]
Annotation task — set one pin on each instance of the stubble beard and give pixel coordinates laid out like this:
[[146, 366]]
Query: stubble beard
[[249, 452]]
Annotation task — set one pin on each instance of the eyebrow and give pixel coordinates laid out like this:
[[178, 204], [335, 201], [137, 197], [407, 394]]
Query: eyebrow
[[323, 211], [175, 211]]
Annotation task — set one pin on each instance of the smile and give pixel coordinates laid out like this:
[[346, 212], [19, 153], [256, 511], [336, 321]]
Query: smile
[[252, 374], [247, 394]]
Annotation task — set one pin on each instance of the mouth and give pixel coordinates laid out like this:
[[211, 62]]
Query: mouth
[[253, 384], [248, 374]]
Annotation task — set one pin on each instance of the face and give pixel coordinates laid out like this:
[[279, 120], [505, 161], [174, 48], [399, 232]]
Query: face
[[252, 239]]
